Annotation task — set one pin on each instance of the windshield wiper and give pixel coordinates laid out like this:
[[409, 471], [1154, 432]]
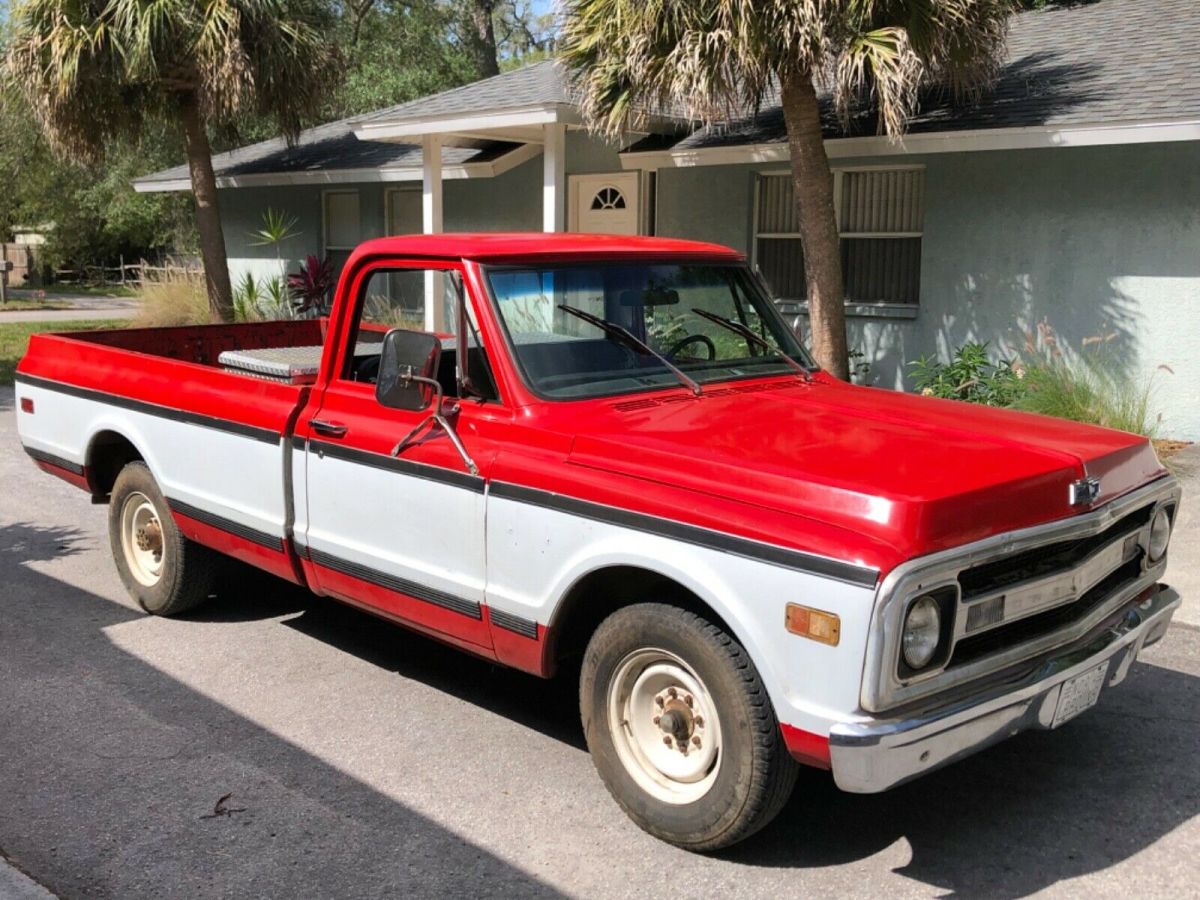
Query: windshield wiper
[[622, 333], [739, 328]]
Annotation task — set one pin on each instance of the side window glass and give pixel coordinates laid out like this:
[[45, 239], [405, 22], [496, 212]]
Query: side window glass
[[396, 298]]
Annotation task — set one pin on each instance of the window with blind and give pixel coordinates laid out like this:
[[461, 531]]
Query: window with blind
[[881, 215]]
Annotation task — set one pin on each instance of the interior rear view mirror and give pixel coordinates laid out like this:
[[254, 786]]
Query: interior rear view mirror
[[649, 297], [408, 366]]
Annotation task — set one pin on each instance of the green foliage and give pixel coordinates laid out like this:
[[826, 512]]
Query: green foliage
[[277, 227], [970, 376], [1088, 389], [95, 215], [716, 58]]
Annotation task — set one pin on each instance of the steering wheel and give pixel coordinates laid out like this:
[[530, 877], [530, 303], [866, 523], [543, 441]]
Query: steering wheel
[[694, 339]]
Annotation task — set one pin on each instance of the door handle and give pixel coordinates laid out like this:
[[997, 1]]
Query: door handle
[[329, 429]]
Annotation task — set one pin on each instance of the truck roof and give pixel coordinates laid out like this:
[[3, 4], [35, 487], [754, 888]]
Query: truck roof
[[494, 246]]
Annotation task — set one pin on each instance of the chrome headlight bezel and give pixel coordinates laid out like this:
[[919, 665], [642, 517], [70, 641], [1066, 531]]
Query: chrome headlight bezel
[[1162, 517]]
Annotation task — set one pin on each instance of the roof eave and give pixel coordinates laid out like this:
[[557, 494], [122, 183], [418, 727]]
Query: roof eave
[[488, 169], [463, 123], [1024, 138]]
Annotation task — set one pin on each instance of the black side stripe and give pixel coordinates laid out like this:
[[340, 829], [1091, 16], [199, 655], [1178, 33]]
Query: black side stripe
[[394, 583], [524, 627], [270, 541], [850, 573], [42, 456], [393, 464], [163, 412]]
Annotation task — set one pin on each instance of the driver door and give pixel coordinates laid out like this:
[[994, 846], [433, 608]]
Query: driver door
[[402, 534]]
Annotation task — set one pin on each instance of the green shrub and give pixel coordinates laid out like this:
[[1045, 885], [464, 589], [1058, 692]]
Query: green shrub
[[1090, 393], [969, 376]]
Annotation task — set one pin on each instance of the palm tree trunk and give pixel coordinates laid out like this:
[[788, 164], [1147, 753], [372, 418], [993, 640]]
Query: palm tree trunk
[[208, 215], [813, 188]]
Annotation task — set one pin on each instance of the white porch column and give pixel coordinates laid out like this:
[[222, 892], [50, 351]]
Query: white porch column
[[431, 223], [554, 178]]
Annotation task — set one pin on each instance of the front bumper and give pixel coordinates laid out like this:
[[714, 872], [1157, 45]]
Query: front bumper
[[873, 756]]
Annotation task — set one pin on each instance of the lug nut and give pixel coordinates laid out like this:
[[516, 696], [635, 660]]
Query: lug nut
[[658, 700], [672, 693], [696, 740], [698, 721], [687, 698], [667, 739], [657, 719]]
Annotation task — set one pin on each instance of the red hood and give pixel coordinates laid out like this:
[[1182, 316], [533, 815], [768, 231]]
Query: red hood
[[918, 474]]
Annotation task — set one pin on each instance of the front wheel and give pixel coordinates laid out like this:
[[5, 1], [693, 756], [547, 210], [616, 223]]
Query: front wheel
[[681, 729], [163, 571]]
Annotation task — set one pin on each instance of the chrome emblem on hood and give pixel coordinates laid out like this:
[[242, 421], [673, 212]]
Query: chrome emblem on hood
[[1084, 491]]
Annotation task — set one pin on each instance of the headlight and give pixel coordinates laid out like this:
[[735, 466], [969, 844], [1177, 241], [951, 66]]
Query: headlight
[[922, 631], [1160, 535]]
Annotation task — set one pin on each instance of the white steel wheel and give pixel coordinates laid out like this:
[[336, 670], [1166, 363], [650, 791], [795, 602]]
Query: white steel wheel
[[163, 571], [142, 539], [680, 727], [664, 725]]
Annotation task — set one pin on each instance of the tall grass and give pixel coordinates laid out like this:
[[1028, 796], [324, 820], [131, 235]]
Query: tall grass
[[1092, 394], [172, 297]]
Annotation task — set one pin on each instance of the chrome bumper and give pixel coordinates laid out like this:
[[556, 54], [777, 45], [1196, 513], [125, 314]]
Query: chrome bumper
[[873, 756]]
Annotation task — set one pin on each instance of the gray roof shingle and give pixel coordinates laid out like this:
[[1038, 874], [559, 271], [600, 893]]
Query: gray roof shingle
[[326, 147], [1091, 63], [1101, 62], [538, 84]]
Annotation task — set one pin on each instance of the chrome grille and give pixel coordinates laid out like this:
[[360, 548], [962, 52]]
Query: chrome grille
[[1016, 595]]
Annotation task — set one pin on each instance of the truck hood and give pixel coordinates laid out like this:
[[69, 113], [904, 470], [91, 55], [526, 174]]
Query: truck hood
[[915, 473]]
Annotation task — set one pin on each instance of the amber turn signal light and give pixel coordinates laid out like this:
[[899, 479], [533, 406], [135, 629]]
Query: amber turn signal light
[[813, 624]]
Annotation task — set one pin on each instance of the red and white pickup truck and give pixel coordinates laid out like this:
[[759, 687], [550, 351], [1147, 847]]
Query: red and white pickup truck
[[635, 466]]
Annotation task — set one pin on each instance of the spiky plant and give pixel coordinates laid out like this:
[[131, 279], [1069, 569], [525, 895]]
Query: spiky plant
[[718, 59]]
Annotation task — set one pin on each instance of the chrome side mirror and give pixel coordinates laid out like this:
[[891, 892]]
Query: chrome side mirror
[[408, 365]]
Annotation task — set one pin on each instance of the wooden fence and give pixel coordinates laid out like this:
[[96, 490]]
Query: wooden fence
[[23, 259]]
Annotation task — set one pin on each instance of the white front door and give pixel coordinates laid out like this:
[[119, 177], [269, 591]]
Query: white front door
[[605, 204]]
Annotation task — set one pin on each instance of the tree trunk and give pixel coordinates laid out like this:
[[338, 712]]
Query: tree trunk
[[208, 215], [483, 37], [813, 187]]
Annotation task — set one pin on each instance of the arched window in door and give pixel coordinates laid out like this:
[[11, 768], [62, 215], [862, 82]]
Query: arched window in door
[[608, 198]]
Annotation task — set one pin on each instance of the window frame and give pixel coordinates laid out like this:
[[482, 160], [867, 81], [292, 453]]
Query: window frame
[[839, 172], [361, 278]]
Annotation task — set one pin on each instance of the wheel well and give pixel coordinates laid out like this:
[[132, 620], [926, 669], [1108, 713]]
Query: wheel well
[[108, 454], [599, 594]]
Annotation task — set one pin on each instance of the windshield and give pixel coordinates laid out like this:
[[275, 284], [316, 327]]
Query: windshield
[[662, 305]]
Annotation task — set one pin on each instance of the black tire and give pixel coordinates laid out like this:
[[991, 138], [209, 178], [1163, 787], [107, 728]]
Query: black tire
[[754, 775], [188, 570]]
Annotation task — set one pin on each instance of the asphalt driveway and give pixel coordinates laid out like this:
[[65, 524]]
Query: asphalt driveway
[[362, 761]]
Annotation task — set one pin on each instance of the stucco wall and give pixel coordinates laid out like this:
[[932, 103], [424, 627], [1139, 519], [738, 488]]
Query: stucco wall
[[1101, 241]]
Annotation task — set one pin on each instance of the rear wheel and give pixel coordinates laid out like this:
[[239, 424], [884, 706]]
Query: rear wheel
[[163, 571], [681, 729]]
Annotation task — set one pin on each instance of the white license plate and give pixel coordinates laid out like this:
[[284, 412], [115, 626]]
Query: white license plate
[[1079, 694]]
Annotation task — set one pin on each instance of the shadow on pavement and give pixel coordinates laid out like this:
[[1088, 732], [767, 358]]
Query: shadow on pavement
[[1032, 812], [111, 767]]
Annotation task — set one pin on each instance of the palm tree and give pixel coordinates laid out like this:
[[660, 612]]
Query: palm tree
[[93, 70], [716, 59]]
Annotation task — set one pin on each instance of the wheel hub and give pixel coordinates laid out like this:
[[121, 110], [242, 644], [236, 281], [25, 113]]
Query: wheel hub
[[665, 725]]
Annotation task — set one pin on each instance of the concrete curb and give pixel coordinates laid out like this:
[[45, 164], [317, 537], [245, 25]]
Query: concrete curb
[[16, 885]]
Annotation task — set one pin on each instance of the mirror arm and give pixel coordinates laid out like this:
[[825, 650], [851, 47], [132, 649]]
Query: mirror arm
[[434, 418]]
